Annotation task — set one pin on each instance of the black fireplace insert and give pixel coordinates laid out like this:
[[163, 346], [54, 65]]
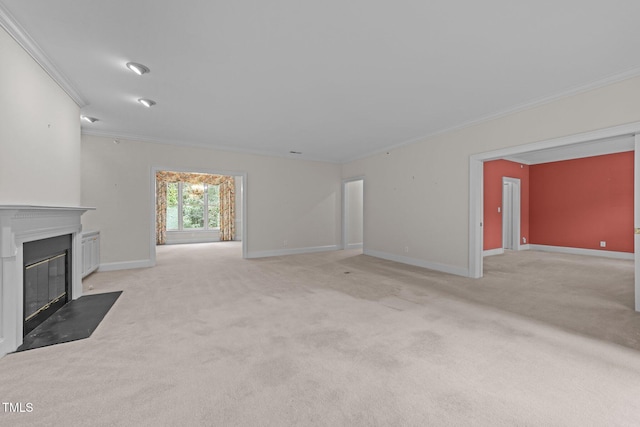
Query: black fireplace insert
[[47, 279]]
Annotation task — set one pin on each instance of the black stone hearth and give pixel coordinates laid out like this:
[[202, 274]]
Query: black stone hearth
[[75, 321]]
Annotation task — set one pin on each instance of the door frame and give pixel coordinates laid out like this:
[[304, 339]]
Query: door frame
[[515, 212], [345, 210], [154, 169], [476, 194], [636, 219]]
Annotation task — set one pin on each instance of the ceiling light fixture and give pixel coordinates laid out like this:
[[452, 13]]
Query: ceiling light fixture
[[139, 69], [88, 119], [147, 102]]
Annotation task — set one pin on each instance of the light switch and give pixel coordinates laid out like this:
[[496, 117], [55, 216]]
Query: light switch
[[498, 209]]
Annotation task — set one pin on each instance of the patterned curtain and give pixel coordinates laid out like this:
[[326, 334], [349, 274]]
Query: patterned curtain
[[227, 200], [161, 212], [227, 209]]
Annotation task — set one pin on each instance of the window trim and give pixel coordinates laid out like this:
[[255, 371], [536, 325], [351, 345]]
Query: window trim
[[206, 227]]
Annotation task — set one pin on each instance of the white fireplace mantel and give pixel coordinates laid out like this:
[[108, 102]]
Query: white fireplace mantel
[[21, 224]]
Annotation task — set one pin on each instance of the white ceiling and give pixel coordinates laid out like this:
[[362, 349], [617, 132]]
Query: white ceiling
[[335, 80]]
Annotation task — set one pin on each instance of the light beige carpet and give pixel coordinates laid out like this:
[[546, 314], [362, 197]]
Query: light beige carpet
[[342, 339]]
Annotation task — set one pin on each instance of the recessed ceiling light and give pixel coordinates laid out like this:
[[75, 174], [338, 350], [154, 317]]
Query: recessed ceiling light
[[139, 69], [147, 102], [88, 119]]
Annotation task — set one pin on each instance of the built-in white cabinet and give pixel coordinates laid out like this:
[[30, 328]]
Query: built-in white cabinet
[[90, 252]]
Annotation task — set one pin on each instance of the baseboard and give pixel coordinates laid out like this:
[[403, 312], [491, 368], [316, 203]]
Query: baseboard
[[581, 251], [354, 246], [500, 251], [444, 268], [491, 252], [292, 251], [125, 265]]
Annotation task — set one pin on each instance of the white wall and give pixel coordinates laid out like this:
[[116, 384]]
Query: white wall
[[418, 194], [239, 188], [200, 236], [287, 200], [39, 133], [354, 212]]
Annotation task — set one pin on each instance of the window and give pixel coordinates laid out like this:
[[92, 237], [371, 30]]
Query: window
[[192, 206], [214, 206]]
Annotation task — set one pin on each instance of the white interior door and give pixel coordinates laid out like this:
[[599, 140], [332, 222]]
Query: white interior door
[[507, 215], [511, 213], [353, 213]]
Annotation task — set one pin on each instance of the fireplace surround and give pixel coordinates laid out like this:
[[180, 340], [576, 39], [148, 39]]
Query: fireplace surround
[[24, 224]]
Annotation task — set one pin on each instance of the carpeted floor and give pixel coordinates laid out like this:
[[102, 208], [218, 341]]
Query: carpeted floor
[[343, 339]]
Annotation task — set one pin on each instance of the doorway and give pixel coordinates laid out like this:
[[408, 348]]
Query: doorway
[[353, 213], [511, 213], [240, 205], [476, 182]]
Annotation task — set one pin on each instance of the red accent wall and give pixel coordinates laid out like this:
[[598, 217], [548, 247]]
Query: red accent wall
[[578, 203], [493, 173]]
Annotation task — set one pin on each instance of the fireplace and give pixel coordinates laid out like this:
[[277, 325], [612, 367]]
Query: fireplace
[[41, 245], [47, 282]]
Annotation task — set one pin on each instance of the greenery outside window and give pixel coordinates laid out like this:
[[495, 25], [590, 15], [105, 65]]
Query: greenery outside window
[[193, 206]]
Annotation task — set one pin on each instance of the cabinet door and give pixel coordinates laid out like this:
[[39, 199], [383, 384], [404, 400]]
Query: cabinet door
[[86, 255], [95, 253]]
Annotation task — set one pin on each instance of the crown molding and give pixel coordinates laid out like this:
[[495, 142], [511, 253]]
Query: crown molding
[[153, 140], [20, 35], [576, 90]]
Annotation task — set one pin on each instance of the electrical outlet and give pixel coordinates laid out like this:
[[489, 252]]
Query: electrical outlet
[[603, 244], [524, 240], [406, 249], [498, 209], [285, 243]]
